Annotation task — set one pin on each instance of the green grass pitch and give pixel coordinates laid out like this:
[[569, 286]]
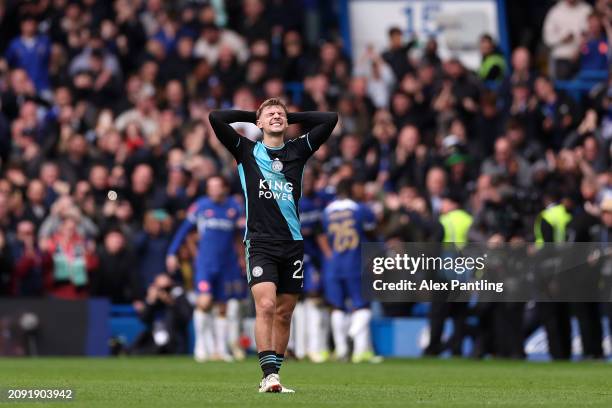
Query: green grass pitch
[[180, 382]]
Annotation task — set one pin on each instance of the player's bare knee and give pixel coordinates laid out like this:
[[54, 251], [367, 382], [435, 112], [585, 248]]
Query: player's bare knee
[[266, 307]]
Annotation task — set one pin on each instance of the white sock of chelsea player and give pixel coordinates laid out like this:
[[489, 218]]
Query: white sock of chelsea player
[[233, 321], [360, 330], [299, 334], [221, 336], [313, 323], [203, 334], [325, 328], [339, 333], [209, 338]]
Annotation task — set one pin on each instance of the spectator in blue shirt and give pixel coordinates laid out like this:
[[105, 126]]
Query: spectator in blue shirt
[[594, 49], [31, 52], [152, 244]]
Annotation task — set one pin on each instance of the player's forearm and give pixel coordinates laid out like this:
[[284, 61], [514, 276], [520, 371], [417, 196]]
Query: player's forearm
[[232, 116], [220, 121], [311, 119], [319, 125], [179, 237]]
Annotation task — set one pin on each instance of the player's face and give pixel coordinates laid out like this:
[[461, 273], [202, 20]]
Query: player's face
[[215, 189], [273, 120]]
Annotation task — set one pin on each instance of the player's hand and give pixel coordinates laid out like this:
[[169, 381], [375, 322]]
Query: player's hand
[[171, 263]]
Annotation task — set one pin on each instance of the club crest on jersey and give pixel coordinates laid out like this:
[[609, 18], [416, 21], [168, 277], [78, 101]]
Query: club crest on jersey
[[257, 271], [203, 286], [277, 165]]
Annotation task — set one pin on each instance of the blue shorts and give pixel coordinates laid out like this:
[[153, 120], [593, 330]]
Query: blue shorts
[[338, 289], [312, 277], [235, 284], [210, 282], [221, 283]]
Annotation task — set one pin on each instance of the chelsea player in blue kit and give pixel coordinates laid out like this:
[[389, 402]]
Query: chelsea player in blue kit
[[217, 275], [311, 319], [347, 223], [271, 173]]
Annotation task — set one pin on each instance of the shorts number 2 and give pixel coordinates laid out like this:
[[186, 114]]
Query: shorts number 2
[[299, 272]]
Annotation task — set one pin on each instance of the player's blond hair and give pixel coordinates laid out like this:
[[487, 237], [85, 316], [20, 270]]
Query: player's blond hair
[[271, 102]]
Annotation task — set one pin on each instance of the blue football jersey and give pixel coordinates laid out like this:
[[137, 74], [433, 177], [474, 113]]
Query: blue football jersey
[[217, 225], [311, 211], [346, 223]]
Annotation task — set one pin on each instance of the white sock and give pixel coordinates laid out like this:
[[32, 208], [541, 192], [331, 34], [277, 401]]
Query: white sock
[[360, 330], [299, 323], [199, 348], [313, 326], [338, 326], [221, 336], [325, 327], [233, 321], [291, 341], [207, 333]]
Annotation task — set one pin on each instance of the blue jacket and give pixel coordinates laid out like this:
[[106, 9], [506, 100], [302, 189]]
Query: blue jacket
[[34, 59]]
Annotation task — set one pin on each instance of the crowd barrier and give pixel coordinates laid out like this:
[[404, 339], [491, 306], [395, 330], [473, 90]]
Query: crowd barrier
[[54, 327]]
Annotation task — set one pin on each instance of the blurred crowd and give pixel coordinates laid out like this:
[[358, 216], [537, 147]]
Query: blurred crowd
[[105, 140]]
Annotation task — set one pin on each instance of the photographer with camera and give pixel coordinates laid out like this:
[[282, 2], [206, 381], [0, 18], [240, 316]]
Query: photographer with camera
[[166, 314]]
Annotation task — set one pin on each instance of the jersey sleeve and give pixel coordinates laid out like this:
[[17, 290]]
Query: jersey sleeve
[[227, 135], [192, 212], [324, 222], [189, 222], [318, 126]]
